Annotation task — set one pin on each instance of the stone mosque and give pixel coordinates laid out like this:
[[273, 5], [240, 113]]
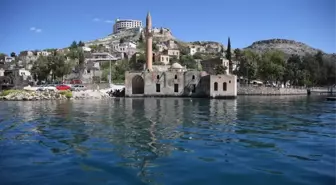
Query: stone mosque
[[176, 81]]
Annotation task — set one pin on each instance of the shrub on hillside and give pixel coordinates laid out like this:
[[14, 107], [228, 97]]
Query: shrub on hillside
[[66, 93]]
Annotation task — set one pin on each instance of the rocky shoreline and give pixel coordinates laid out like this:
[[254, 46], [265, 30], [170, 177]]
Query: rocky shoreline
[[25, 95]]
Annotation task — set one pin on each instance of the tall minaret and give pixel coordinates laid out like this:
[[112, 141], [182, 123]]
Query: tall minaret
[[149, 40]]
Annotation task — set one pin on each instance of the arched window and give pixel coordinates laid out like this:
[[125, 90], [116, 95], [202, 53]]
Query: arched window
[[175, 76], [215, 86], [224, 86], [193, 77], [157, 76]]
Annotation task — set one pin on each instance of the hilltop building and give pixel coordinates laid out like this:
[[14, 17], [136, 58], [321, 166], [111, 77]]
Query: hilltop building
[[177, 80], [125, 24]]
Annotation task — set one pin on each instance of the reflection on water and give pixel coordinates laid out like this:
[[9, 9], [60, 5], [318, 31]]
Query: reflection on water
[[255, 140]]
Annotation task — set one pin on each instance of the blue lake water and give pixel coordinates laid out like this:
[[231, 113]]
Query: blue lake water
[[251, 140]]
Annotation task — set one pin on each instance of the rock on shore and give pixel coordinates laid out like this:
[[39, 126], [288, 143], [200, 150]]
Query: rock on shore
[[24, 95], [19, 95], [90, 94]]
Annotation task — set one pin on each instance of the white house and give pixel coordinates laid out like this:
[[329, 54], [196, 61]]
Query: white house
[[161, 47], [43, 53], [30, 53], [2, 72], [24, 73], [124, 47], [192, 50], [86, 48], [164, 59], [171, 44], [9, 59]]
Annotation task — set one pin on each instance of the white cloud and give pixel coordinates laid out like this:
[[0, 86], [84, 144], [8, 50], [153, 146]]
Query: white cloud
[[36, 30], [96, 19], [108, 21]]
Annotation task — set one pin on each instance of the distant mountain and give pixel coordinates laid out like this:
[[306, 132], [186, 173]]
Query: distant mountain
[[289, 47]]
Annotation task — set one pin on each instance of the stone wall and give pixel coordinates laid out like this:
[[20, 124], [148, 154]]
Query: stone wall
[[91, 86], [254, 90]]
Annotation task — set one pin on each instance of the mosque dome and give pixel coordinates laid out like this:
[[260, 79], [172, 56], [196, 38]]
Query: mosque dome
[[177, 66]]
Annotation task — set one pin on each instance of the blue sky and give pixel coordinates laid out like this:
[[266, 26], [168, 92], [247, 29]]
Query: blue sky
[[40, 24]]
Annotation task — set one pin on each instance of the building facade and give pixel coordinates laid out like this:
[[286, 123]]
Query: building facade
[[126, 24], [177, 80], [9, 59]]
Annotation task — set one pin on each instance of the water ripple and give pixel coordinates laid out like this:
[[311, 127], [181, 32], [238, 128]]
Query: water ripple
[[281, 140]]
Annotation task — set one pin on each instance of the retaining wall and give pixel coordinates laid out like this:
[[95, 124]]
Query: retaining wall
[[91, 86], [241, 90], [254, 90]]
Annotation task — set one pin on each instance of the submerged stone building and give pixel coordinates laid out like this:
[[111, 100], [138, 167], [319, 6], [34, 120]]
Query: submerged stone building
[[176, 81]]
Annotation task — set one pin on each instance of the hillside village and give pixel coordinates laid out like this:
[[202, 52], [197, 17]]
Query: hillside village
[[120, 46], [124, 49]]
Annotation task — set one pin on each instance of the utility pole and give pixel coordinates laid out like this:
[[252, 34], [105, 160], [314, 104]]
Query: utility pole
[[110, 79]]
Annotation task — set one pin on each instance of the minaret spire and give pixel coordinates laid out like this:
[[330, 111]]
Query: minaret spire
[[149, 42]]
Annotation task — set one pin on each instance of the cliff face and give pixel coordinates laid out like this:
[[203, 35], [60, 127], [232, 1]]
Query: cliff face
[[289, 47]]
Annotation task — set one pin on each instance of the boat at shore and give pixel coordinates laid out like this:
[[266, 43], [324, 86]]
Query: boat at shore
[[332, 98]]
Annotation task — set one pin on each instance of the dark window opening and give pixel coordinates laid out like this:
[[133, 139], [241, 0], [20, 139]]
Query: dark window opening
[[158, 88], [175, 87], [193, 77], [224, 86], [175, 76], [229, 81], [157, 77], [193, 88], [215, 86]]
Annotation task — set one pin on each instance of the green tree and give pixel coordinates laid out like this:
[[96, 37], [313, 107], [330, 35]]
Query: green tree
[[60, 66], [55, 64], [154, 47], [271, 67], [173, 59], [238, 58], [137, 61], [322, 77], [94, 48], [293, 70], [228, 55], [189, 61], [41, 68], [238, 54], [222, 50], [117, 71], [248, 65], [141, 38], [77, 54], [220, 69], [141, 46], [81, 44], [13, 54], [73, 45], [2, 56], [311, 67], [198, 55]]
